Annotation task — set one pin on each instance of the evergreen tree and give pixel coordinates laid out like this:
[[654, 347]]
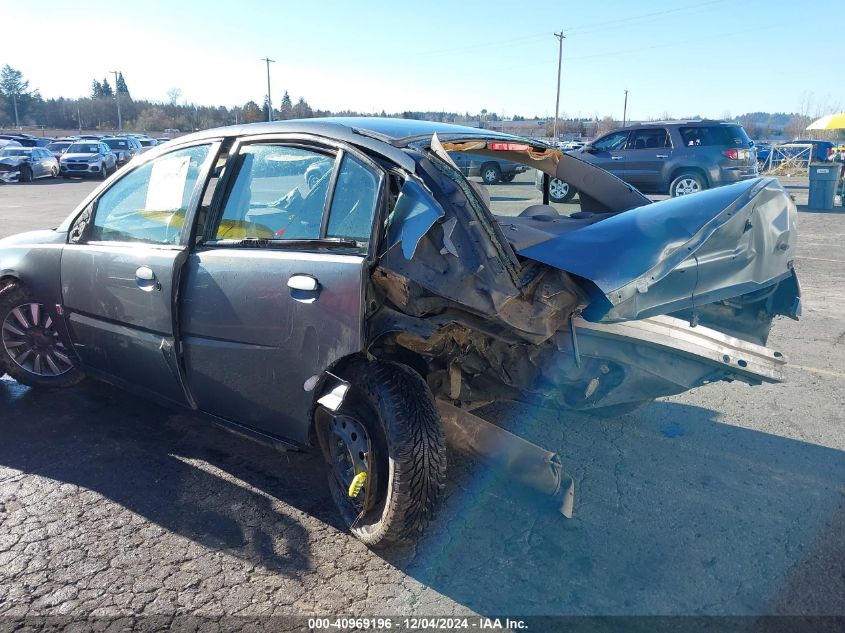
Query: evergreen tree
[[302, 110], [121, 85], [286, 109], [106, 90], [96, 89], [15, 92]]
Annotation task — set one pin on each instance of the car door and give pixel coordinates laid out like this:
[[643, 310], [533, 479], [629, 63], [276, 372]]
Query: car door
[[647, 152], [273, 294], [607, 152], [120, 268]]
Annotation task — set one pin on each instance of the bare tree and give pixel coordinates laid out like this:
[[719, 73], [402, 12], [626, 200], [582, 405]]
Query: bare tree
[[173, 96]]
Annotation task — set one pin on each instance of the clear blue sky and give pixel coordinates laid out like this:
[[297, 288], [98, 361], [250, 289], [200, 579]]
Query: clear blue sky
[[679, 57]]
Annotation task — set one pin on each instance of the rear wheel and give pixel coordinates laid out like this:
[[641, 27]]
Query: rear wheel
[[560, 191], [686, 184], [388, 429], [30, 349], [491, 174], [54, 172], [104, 171]]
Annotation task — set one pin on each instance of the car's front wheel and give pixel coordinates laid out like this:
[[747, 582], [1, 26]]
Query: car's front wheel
[[104, 171], [385, 452], [491, 174], [560, 191], [25, 174], [30, 349], [686, 184]]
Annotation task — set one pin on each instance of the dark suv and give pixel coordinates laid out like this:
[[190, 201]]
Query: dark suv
[[674, 157]]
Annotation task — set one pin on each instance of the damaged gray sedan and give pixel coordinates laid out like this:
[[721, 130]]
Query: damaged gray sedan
[[369, 310]]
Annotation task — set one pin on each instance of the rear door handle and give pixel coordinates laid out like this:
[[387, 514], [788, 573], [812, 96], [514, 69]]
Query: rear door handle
[[303, 283], [616, 158], [146, 279], [662, 156]]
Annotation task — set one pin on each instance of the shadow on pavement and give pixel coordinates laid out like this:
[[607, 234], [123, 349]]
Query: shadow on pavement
[[183, 474], [676, 512]]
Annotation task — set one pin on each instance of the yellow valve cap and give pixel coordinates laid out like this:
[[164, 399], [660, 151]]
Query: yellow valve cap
[[357, 483]]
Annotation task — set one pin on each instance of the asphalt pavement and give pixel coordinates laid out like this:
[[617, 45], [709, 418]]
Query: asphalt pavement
[[727, 500]]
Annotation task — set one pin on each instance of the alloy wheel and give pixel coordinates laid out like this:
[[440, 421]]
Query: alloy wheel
[[687, 186], [558, 189], [32, 342]]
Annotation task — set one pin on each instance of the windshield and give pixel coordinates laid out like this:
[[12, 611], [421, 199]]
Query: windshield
[[82, 148], [15, 151], [116, 143]]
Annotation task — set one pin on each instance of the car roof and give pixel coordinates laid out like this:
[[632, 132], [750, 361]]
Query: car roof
[[394, 131], [382, 135]]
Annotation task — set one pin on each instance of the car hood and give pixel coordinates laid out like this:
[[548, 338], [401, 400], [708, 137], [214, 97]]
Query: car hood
[[671, 255], [66, 155], [12, 160], [45, 236]]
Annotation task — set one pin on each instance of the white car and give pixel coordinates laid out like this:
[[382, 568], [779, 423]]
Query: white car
[[88, 158]]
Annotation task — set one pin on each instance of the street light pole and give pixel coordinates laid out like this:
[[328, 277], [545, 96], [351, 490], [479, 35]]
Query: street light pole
[[625, 110], [269, 100], [560, 37], [117, 98]]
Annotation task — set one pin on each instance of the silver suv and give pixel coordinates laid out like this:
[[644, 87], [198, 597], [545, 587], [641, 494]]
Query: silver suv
[[88, 158], [670, 157]]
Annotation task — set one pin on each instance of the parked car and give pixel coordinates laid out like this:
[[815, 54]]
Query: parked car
[[147, 143], [822, 150], [88, 158], [9, 142], [364, 315], [123, 148], [674, 157], [491, 170], [25, 164], [58, 148], [92, 137]]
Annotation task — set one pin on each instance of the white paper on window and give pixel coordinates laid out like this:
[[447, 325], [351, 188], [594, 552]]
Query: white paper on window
[[167, 184]]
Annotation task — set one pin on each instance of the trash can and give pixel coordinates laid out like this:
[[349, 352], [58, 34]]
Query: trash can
[[823, 180]]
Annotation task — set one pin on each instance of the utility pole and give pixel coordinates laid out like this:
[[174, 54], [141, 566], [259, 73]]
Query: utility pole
[[560, 37], [78, 116], [117, 98], [625, 110], [15, 102], [269, 100]]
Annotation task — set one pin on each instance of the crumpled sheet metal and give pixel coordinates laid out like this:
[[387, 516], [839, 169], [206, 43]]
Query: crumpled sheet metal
[[532, 466]]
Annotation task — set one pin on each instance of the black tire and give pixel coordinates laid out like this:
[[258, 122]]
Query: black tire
[[104, 171], [26, 174], [508, 177], [54, 172], [407, 468], [13, 296], [560, 191], [617, 410], [490, 173], [687, 183]]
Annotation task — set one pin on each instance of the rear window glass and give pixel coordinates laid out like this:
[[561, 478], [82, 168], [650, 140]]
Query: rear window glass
[[727, 135]]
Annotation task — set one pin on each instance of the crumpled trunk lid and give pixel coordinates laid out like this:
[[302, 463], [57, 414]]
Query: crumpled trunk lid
[[673, 255]]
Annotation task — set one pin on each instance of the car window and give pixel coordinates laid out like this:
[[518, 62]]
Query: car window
[[705, 135], [279, 192], [354, 201], [150, 203], [649, 138], [611, 142]]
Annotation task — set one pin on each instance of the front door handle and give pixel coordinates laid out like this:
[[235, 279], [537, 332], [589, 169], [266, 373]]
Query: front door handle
[[303, 283], [146, 279], [662, 156], [616, 158]]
